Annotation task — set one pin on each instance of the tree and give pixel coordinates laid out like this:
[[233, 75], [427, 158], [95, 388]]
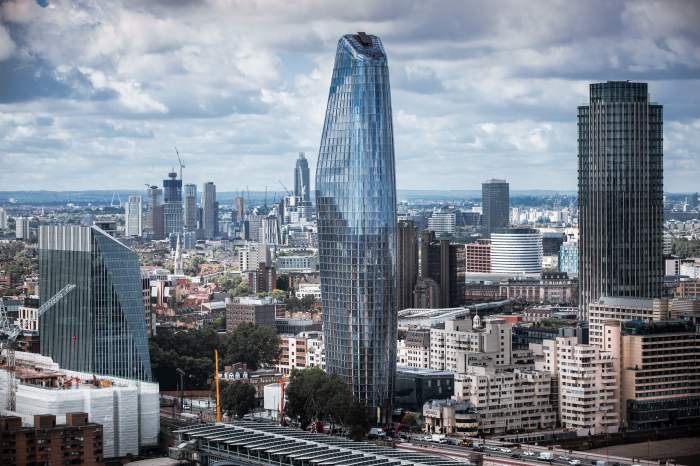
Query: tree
[[685, 248], [282, 282], [170, 268], [190, 271], [241, 290], [307, 301], [197, 260], [237, 398], [401, 335], [252, 344], [278, 295]]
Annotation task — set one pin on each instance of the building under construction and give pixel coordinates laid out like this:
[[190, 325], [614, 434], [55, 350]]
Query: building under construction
[[127, 409]]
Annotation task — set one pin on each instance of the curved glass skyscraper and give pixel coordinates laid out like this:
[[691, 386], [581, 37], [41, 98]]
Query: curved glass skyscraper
[[356, 211]]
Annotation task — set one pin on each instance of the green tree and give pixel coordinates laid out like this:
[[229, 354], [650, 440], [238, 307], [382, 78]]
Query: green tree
[[241, 290], [170, 268], [401, 335], [190, 271], [685, 248], [197, 260], [278, 295], [252, 344], [307, 301], [237, 398], [282, 282]]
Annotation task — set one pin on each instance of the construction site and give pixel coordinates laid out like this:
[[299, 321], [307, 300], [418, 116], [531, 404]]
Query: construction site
[[128, 409]]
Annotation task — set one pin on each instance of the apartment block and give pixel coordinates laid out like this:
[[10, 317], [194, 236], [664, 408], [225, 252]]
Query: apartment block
[[253, 254], [75, 442], [296, 263], [466, 343], [516, 399], [407, 250], [689, 288], [296, 349], [660, 370], [261, 280], [444, 264], [588, 378], [478, 256]]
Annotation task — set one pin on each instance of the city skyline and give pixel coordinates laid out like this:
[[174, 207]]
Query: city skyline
[[496, 101]]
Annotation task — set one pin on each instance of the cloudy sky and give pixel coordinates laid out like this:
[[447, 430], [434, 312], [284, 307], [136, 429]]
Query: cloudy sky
[[96, 94]]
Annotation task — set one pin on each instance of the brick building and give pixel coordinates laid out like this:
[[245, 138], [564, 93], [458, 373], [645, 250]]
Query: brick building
[[260, 311], [261, 280], [479, 256], [78, 441]]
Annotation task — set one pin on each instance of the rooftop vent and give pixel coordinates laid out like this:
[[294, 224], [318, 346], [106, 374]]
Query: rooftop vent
[[364, 40]]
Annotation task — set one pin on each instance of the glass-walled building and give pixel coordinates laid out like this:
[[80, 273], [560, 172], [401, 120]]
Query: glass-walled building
[[99, 327], [356, 211], [620, 194], [173, 220]]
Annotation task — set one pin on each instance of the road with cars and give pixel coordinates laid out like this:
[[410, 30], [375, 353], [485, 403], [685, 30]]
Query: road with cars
[[560, 458]]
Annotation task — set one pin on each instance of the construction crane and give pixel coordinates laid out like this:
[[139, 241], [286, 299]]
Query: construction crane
[[181, 164], [285, 188], [281, 382], [12, 330]]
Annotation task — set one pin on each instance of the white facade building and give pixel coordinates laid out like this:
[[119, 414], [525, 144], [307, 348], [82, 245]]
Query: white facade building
[[133, 216], [516, 250], [3, 219], [296, 263], [309, 288], [253, 254], [443, 221], [589, 391], [22, 227]]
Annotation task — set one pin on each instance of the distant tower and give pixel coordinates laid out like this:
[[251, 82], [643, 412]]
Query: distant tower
[[620, 195], [179, 269], [190, 207], [210, 210], [133, 215], [301, 178], [495, 206], [172, 205]]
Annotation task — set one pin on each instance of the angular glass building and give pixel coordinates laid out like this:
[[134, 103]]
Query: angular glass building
[[356, 212], [301, 178], [620, 192], [99, 327]]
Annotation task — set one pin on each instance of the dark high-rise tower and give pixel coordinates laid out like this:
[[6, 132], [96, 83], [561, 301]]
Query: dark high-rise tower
[[301, 178], [356, 209], [620, 186], [495, 206], [210, 210], [190, 207], [407, 248], [173, 220]]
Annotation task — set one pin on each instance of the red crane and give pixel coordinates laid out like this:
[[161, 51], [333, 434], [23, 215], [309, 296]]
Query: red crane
[[281, 382]]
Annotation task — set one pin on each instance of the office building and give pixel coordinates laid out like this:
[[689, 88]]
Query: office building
[[301, 178], [495, 206], [240, 209], [153, 225], [568, 257], [22, 227], [417, 386], [271, 230], [356, 212], [3, 219], [173, 220], [210, 222], [516, 250], [551, 243], [620, 184], [478, 256], [407, 250], [444, 264], [688, 288], [443, 221], [133, 216], [252, 254], [259, 311], [98, 327], [305, 264], [190, 207], [256, 232]]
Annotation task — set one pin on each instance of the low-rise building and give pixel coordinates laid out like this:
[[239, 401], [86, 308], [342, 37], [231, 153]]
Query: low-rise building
[[295, 349], [417, 386], [505, 400], [260, 311], [258, 379], [313, 289], [549, 287], [296, 264], [449, 416], [75, 442], [479, 256]]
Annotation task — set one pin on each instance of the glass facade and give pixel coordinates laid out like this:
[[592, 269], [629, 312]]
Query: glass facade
[[301, 178], [173, 220], [356, 211], [100, 326], [620, 185], [568, 258], [415, 387]]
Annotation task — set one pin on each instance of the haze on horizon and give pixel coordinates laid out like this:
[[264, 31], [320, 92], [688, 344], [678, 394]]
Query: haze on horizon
[[96, 95]]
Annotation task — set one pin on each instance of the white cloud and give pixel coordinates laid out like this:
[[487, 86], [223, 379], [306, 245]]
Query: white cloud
[[479, 89]]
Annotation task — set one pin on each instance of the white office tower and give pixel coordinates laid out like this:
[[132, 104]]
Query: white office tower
[[133, 216], [445, 220], [22, 227], [3, 219], [516, 250]]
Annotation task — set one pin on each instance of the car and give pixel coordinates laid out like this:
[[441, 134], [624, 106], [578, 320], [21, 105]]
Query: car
[[528, 453], [400, 440], [452, 442], [505, 450], [594, 462], [515, 455], [574, 462], [478, 448], [564, 457], [618, 464], [492, 448]]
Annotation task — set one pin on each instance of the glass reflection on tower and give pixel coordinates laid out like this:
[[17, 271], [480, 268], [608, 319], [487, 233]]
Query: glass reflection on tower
[[356, 211]]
